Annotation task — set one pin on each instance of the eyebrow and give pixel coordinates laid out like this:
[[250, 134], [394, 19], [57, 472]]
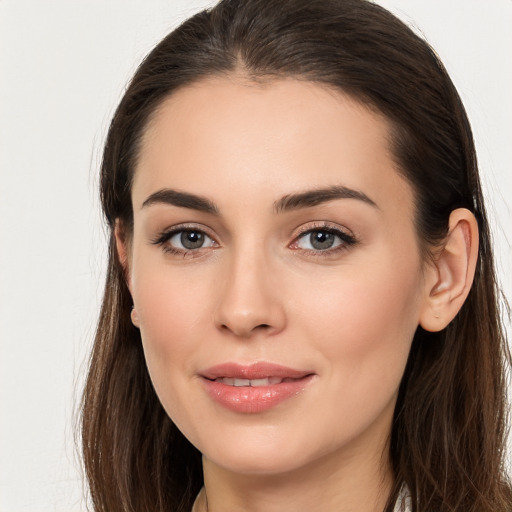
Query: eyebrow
[[311, 198], [287, 203], [182, 200]]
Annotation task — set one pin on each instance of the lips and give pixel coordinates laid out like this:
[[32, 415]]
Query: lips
[[254, 388]]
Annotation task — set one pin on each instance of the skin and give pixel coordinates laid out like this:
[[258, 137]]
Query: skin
[[258, 291]]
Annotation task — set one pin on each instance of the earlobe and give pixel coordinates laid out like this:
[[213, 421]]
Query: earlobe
[[451, 275], [135, 317]]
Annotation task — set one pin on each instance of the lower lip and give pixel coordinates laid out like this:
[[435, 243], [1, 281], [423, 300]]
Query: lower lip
[[248, 399]]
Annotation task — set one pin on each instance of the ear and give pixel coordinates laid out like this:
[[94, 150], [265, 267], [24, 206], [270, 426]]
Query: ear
[[123, 255], [449, 278], [122, 249]]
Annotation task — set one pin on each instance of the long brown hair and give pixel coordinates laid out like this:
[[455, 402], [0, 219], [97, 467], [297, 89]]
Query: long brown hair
[[447, 439]]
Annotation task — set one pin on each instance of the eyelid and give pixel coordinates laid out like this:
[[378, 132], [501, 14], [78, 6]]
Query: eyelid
[[322, 226], [185, 226], [347, 237], [163, 236]]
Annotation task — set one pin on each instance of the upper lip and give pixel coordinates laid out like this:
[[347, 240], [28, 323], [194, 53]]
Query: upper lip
[[259, 370]]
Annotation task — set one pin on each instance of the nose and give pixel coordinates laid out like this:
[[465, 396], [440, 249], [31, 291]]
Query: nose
[[250, 299]]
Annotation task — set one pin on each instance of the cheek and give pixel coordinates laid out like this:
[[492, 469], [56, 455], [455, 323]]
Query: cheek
[[364, 323], [363, 327], [171, 308]]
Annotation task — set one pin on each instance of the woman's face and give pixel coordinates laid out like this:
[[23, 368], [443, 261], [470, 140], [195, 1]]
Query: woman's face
[[275, 272]]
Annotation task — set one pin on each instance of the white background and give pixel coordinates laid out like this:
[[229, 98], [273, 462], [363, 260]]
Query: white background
[[63, 67]]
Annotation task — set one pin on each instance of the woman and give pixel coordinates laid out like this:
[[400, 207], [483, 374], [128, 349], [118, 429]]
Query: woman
[[300, 310]]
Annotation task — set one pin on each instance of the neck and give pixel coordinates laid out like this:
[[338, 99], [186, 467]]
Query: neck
[[340, 482]]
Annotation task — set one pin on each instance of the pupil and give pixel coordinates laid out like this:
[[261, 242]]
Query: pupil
[[321, 240], [192, 239]]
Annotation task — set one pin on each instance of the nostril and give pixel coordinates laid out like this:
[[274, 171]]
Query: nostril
[[261, 327], [242, 331]]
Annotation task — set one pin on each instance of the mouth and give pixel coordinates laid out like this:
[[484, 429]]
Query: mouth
[[254, 388], [254, 383], [275, 373]]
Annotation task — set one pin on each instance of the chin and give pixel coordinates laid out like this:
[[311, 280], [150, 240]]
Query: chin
[[265, 464], [259, 457]]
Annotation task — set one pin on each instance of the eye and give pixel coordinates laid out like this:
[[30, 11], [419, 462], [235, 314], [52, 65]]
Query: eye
[[323, 240], [189, 240], [318, 240], [183, 241]]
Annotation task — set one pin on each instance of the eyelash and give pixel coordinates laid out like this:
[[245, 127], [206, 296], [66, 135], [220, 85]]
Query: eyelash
[[166, 235], [346, 240]]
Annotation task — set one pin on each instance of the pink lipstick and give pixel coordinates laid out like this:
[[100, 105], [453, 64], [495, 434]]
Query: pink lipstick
[[253, 388]]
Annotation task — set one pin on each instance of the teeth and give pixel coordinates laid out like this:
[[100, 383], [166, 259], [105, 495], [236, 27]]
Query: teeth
[[267, 381], [260, 382]]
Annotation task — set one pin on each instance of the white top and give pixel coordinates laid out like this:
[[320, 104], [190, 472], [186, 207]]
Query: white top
[[403, 503]]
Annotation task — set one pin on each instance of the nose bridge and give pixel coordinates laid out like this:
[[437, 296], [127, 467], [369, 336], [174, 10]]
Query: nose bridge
[[250, 300]]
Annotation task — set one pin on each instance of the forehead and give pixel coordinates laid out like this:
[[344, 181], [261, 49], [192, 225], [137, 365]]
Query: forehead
[[228, 136]]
